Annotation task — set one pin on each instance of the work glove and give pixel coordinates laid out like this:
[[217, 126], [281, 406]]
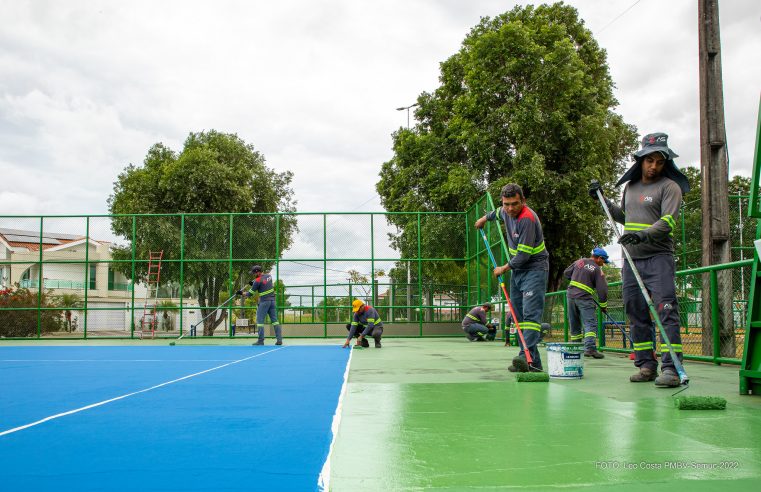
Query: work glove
[[594, 185], [632, 238], [251, 283], [348, 326], [239, 293]]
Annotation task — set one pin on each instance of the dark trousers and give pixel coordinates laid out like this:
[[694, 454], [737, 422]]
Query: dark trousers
[[657, 274], [582, 316], [527, 289]]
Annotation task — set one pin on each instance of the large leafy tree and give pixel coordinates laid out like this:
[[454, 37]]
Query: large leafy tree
[[528, 99], [214, 173]]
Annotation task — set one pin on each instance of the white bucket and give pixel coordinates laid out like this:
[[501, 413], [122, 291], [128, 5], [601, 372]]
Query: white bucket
[[565, 360]]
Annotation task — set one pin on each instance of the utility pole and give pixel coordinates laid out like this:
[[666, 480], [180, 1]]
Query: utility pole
[[715, 176], [409, 273]]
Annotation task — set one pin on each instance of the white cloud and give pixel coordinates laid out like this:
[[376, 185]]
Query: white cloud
[[86, 86]]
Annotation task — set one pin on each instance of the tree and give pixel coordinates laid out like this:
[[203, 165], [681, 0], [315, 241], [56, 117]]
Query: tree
[[527, 99], [688, 239], [19, 313], [214, 173], [68, 302], [168, 311]]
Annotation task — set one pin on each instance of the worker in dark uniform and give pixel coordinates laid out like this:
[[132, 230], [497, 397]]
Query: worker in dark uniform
[[649, 210], [476, 326], [367, 317], [264, 286], [530, 266], [587, 282]]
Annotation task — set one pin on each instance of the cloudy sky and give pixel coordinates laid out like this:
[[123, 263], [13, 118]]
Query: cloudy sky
[[87, 86]]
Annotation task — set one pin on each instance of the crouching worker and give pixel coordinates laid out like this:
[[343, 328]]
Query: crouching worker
[[475, 326], [368, 318], [364, 341]]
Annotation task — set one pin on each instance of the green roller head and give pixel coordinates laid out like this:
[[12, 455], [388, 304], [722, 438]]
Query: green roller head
[[532, 377], [700, 403], [171, 343]]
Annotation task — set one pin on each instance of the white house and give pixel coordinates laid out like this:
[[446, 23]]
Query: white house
[[67, 257]]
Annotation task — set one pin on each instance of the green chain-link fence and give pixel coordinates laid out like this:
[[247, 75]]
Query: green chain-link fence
[[94, 273], [411, 266]]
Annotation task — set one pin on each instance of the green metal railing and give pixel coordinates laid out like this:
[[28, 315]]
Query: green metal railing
[[700, 341]]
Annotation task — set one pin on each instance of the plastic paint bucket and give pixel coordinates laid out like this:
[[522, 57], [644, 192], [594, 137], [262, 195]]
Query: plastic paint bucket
[[565, 360]]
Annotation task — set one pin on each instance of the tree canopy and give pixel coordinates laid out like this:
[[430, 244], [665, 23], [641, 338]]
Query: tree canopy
[[528, 99], [214, 173]]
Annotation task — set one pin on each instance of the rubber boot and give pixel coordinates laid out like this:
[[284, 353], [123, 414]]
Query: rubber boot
[[278, 335], [668, 379], [519, 365], [644, 375], [594, 354]]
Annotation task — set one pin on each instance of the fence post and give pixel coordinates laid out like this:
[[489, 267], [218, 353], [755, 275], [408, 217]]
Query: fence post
[[715, 315]]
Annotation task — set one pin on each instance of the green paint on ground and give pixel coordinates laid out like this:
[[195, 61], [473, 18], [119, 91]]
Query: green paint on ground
[[445, 414]]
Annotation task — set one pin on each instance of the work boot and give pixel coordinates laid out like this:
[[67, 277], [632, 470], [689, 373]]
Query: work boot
[[519, 365], [479, 338], [668, 379], [377, 344], [535, 369], [365, 343], [279, 342], [644, 375], [594, 354], [259, 342]]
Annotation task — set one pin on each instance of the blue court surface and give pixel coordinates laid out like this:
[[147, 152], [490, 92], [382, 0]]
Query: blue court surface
[[167, 418]]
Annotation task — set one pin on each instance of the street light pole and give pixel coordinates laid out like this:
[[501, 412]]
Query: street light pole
[[408, 112]]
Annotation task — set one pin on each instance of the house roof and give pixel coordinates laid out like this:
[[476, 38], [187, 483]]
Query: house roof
[[19, 238]]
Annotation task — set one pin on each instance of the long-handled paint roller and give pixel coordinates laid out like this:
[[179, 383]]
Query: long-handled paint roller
[[610, 318], [529, 360], [682, 402], [192, 330], [507, 297]]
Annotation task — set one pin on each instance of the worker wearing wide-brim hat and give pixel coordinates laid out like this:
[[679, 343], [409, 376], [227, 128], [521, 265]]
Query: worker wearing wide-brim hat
[[649, 210], [367, 317]]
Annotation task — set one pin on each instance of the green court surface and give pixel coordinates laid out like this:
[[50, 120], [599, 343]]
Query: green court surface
[[445, 414]]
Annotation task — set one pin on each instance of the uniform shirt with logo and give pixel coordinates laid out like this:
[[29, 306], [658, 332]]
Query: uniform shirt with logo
[[652, 208], [525, 240], [587, 281], [264, 286]]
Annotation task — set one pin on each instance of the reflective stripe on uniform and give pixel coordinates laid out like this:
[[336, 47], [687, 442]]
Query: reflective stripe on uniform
[[669, 220], [267, 292], [644, 346], [590, 334], [583, 287], [676, 346], [474, 318], [530, 325], [634, 226]]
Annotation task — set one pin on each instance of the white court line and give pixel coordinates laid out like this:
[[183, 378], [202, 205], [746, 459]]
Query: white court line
[[81, 409], [323, 481], [117, 360]]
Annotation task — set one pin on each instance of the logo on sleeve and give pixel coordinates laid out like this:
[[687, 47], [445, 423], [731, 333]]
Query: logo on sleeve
[[643, 199]]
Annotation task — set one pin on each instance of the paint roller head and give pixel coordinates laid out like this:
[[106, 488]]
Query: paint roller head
[[532, 377], [700, 403], [171, 343]]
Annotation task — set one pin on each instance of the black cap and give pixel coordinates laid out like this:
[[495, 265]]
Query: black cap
[[255, 269]]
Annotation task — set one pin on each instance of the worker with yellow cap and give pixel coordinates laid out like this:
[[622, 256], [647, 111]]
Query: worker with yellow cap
[[368, 318]]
